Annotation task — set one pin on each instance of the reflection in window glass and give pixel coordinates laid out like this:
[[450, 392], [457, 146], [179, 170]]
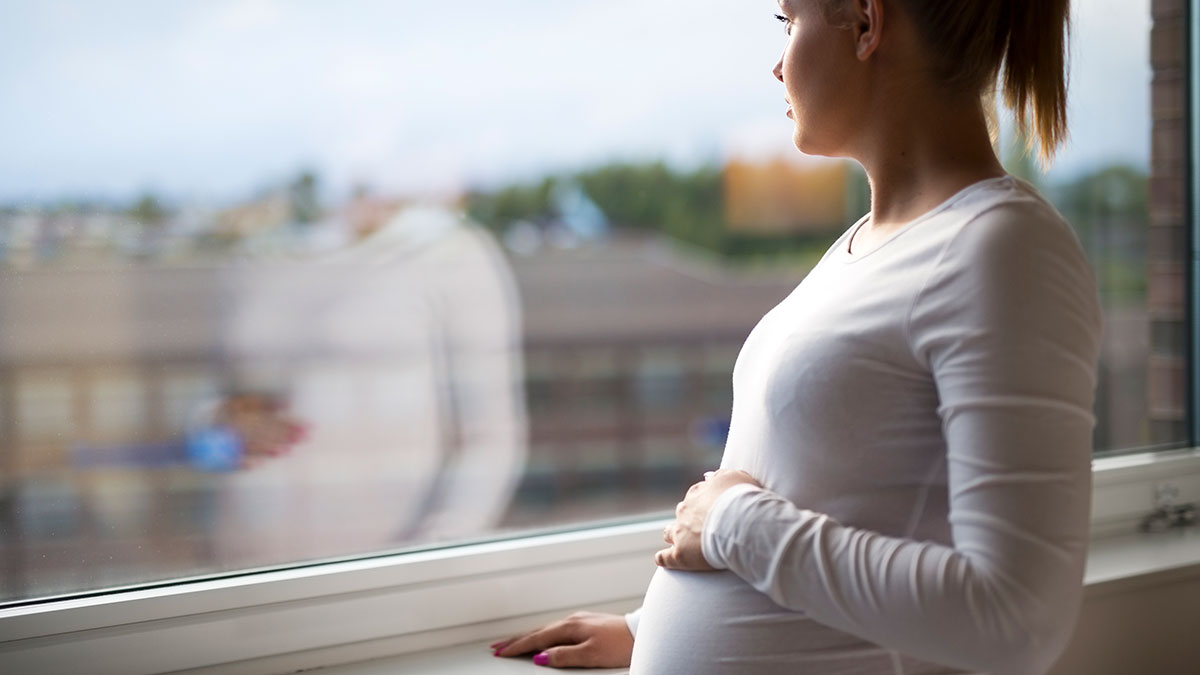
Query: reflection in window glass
[[296, 281], [44, 407], [116, 406]]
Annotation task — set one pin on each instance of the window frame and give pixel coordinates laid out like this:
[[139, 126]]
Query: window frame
[[325, 614], [329, 613]]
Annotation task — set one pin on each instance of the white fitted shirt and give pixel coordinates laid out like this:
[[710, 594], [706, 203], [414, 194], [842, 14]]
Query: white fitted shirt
[[920, 417]]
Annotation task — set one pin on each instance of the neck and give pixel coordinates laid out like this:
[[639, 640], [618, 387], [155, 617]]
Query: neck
[[917, 155]]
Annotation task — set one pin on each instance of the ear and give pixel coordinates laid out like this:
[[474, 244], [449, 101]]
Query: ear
[[867, 24]]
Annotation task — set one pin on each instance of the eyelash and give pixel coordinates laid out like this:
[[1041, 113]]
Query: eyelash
[[787, 23]]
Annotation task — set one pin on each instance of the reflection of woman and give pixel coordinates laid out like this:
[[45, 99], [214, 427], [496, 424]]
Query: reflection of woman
[[906, 481], [384, 376]]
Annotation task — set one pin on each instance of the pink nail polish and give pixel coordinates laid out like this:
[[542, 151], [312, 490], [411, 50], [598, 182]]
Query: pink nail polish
[[542, 659]]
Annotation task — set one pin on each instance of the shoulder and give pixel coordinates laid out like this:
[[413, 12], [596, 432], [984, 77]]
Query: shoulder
[[1011, 217], [1007, 236], [1010, 258]]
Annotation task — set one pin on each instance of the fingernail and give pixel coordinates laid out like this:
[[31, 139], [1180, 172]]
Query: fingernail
[[500, 644], [542, 659]]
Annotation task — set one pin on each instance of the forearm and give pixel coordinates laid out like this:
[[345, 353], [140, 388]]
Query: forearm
[[1002, 604]]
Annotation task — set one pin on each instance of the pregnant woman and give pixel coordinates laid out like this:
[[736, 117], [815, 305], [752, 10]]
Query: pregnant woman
[[906, 484]]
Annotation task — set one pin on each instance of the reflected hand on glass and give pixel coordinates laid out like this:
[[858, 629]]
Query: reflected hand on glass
[[263, 425], [684, 535], [582, 640]]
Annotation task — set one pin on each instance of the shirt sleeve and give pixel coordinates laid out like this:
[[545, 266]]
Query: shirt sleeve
[[632, 620], [1008, 325]]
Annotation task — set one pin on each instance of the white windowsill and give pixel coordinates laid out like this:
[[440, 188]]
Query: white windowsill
[[461, 660], [1115, 564], [341, 613]]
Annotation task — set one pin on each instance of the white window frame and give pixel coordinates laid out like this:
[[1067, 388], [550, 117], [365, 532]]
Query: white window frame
[[339, 612]]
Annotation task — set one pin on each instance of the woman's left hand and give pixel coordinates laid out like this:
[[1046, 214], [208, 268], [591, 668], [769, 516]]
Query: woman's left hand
[[683, 536]]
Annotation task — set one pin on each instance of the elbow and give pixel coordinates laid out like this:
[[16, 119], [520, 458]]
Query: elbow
[[1035, 633], [1033, 654]]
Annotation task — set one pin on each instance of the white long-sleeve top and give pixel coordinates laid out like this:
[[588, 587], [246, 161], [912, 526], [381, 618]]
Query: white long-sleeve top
[[920, 417], [401, 355]]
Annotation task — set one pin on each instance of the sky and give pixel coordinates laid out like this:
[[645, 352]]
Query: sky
[[218, 99]]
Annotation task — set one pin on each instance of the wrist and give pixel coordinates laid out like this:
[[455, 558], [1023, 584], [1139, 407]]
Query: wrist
[[718, 523]]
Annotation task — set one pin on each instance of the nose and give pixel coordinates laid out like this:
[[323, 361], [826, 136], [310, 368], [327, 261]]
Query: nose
[[778, 70]]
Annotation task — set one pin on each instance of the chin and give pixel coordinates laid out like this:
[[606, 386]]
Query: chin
[[805, 144], [808, 145]]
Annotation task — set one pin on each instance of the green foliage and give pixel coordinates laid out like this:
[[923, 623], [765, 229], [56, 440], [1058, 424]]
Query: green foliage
[[1109, 209], [1113, 195], [149, 211], [302, 191], [497, 210], [688, 205]]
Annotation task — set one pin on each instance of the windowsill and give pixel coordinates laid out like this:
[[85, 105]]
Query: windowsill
[[470, 659], [1115, 565], [417, 603]]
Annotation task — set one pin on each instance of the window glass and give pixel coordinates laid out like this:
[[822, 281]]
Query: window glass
[[284, 282]]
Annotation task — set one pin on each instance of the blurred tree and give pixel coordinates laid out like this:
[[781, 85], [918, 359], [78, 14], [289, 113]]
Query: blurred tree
[[687, 205], [149, 211], [1109, 208], [500, 209], [305, 202]]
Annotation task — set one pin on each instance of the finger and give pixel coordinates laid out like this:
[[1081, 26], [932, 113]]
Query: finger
[[500, 645], [565, 657], [746, 475], [709, 474], [665, 557], [539, 640], [679, 509]]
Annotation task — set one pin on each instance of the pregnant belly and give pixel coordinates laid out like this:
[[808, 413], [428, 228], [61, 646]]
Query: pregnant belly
[[717, 624]]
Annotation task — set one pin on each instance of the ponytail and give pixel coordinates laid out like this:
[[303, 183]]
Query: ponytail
[[1018, 45], [1034, 82]]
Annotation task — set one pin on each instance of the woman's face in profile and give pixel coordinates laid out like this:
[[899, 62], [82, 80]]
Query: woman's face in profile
[[817, 71]]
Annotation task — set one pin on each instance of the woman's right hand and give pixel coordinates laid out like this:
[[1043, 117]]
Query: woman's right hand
[[582, 640]]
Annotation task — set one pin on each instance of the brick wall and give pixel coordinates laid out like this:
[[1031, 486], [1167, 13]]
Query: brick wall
[[1167, 237]]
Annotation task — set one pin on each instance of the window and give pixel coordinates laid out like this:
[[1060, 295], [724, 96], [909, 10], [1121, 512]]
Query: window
[[219, 215]]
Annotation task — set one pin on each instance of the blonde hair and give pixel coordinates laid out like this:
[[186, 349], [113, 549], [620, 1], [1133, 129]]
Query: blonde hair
[[1017, 46]]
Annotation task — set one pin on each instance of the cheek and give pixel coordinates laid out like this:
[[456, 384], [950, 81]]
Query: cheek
[[815, 78], [802, 75], [791, 72]]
